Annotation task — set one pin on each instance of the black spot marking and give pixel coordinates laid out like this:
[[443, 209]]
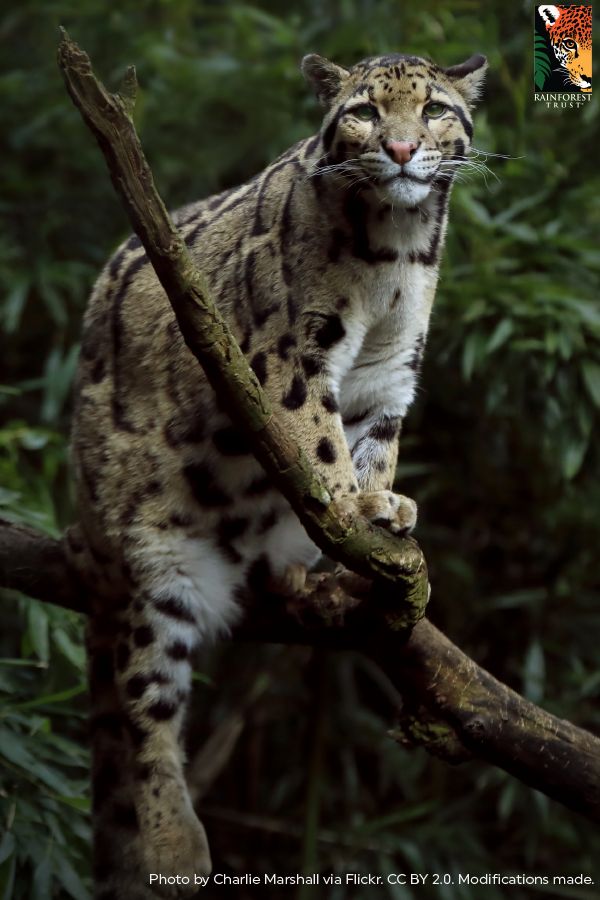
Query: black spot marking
[[296, 396], [129, 513], [285, 344], [262, 315], [143, 636], [162, 710], [329, 403], [204, 489], [258, 486], [180, 521], [229, 529], [258, 363], [386, 430], [232, 528], [136, 686], [266, 522], [357, 417], [98, 371], [326, 451], [230, 442], [417, 356], [342, 303], [174, 608], [330, 332], [311, 364], [186, 429], [459, 148], [178, 650], [191, 236], [245, 342]]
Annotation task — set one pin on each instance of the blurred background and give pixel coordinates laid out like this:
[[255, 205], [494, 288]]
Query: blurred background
[[497, 451]]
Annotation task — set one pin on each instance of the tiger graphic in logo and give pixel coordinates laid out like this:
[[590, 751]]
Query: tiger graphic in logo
[[570, 31]]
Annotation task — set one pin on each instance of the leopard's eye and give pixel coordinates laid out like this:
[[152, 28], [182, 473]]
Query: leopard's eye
[[434, 110], [569, 44], [365, 112]]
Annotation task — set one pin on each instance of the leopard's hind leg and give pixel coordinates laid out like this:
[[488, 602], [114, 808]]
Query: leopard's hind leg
[[182, 592]]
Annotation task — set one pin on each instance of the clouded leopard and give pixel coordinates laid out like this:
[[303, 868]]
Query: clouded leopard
[[325, 267]]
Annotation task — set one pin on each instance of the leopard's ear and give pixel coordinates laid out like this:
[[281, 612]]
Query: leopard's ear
[[326, 78], [468, 77], [549, 14]]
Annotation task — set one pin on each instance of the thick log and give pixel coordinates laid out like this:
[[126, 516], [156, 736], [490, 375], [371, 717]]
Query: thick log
[[452, 707]]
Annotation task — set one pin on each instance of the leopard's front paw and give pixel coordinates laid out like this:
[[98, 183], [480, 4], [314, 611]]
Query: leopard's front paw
[[392, 511]]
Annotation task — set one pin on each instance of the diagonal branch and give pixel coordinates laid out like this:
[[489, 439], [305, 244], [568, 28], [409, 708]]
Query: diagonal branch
[[452, 707]]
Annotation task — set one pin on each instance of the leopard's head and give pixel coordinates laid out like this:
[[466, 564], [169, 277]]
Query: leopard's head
[[570, 31], [398, 127]]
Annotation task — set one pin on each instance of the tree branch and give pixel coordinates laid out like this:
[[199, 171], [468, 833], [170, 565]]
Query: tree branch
[[452, 707]]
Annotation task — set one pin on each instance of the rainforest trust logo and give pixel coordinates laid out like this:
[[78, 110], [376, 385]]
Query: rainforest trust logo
[[563, 55]]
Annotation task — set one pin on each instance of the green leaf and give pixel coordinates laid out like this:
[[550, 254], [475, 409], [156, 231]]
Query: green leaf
[[473, 348], [499, 335], [590, 371], [13, 306], [7, 846], [46, 699], [534, 672], [573, 457], [41, 887], [14, 749], [75, 653], [70, 880], [37, 620], [7, 877]]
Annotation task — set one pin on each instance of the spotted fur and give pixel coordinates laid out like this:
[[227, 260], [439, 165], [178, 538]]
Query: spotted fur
[[570, 31], [325, 267]]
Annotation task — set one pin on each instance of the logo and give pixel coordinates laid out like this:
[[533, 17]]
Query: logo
[[562, 55]]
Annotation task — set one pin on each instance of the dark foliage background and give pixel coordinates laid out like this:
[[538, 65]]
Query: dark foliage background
[[498, 450]]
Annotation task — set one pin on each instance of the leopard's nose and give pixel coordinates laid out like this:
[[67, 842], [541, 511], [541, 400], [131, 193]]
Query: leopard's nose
[[400, 151]]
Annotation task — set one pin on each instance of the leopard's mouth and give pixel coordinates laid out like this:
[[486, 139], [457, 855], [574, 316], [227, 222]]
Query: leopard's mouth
[[584, 82], [408, 176]]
